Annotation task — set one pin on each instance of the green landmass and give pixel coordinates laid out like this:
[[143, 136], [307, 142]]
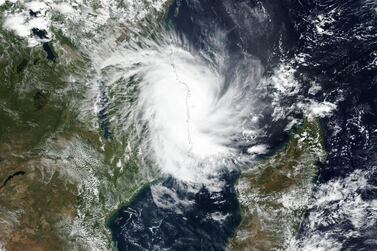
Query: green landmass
[[61, 180], [275, 193]]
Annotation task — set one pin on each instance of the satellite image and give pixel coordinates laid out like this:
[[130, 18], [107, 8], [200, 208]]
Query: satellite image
[[188, 125]]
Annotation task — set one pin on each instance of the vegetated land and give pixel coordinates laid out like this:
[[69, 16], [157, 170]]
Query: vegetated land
[[60, 178], [274, 195]]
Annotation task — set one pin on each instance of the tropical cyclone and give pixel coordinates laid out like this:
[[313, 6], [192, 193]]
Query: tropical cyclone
[[193, 109], [188, 95], [120, 102]]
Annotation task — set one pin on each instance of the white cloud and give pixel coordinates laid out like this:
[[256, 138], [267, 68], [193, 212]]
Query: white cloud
[[320, 109], [18, 24], [334, 202], [192, 116], [63, 8], [258, 149]]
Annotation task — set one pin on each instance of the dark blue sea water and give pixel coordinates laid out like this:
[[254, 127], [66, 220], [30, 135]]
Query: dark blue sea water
[[342, 60], [200, 220], [143, 225]]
